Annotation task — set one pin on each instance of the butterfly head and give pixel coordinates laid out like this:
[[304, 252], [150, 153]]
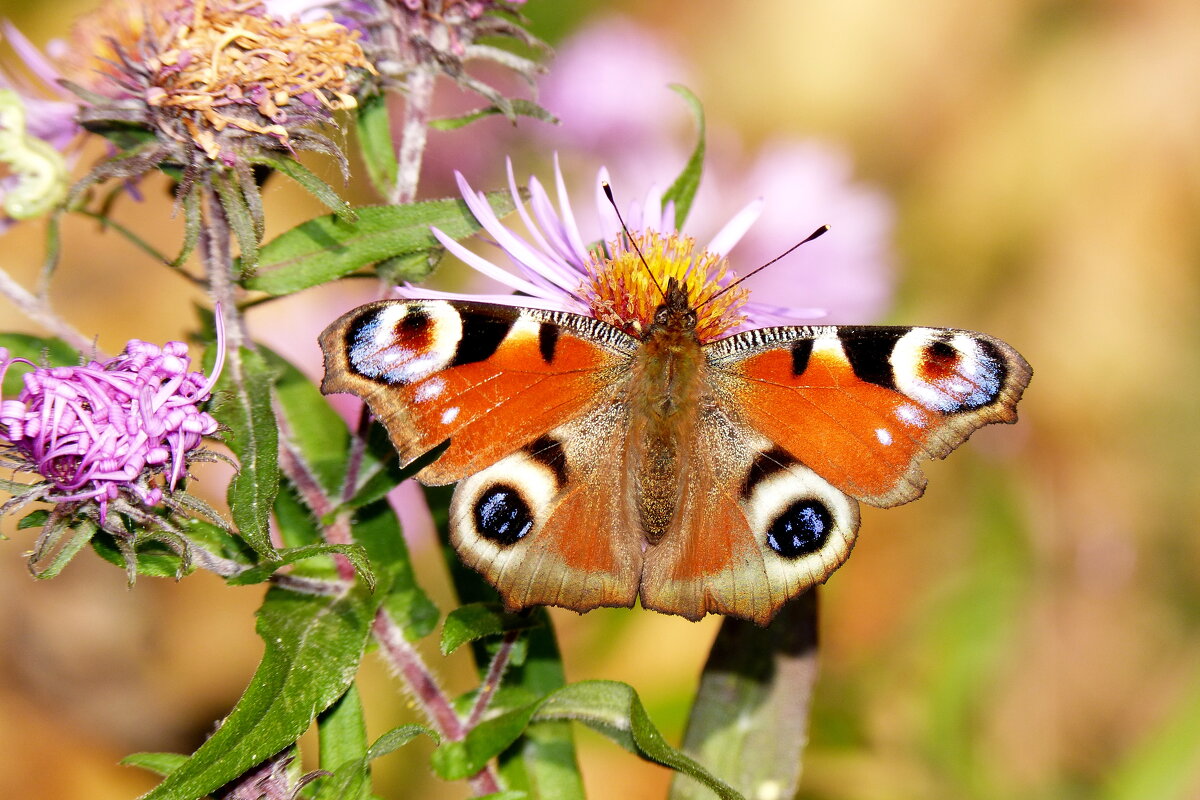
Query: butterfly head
[[656, 280]]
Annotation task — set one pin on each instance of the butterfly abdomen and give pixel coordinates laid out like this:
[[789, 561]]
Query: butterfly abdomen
[[666, 390]]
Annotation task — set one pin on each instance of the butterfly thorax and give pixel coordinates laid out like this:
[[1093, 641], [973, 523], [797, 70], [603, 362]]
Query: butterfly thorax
[[666, 390]]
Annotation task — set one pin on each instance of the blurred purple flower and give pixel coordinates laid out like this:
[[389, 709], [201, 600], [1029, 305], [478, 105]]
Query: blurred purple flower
[[37, 125], [608, 85], [558, 270], [51, 109], [108, 427], [849, 271]]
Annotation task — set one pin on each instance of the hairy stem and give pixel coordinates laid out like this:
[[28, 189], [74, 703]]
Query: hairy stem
[[492, 681], [217, 257], [39, 311], [413, 135], [429, 695]]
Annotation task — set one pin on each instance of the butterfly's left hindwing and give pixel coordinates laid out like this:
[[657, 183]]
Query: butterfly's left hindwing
[[490, 378], [861, 406]]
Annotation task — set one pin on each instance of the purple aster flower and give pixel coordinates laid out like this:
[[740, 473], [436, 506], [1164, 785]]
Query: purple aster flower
[[96, 431], [557, 269]]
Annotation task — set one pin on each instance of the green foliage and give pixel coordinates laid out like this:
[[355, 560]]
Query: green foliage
[[326, 248], [374, 131], [477, 620], [763, 678], [608, 707], [243, 405], [40, 350], [313, 648], [517, 107], [682, 192]]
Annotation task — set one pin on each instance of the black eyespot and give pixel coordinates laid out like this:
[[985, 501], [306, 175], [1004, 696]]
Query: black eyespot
[[691, 319], [502, 515], [661, 315], [801, 529]]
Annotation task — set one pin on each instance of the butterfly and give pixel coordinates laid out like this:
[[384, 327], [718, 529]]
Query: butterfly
[[597, 466]]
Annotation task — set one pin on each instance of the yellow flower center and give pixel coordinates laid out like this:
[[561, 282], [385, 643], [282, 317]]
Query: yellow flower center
[[625, 291]]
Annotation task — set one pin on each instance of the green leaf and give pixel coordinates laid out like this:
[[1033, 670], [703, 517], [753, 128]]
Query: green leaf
[[153, 558], [304, 176], [343, 750], [356, 554], [296, 524], [241, 220], [162, 763], [477, 620], [34, 519], [396, 738], [313, 647], [683, 191], [375, 142], [62, 538], [243, 405], [518, 107], [316, 430], [410, 267], [749, 723], [377, 528], [326, 248], [608, 707], [41, 351], [351, 780]]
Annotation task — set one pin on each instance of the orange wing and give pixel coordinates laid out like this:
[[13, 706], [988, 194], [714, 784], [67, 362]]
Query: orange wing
[[862, 406], [491, 378]]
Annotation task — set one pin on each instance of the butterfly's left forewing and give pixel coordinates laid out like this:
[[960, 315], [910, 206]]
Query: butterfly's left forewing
[[862, 406], [490, 378]]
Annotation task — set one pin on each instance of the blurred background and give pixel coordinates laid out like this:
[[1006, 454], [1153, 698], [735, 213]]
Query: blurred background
[[1028, 168]]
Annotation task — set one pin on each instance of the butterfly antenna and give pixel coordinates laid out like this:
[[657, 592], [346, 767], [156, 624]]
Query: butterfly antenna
[[608, 193], [821, 231]]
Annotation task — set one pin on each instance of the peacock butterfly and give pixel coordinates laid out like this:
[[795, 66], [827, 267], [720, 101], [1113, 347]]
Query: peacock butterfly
[[600, 460]]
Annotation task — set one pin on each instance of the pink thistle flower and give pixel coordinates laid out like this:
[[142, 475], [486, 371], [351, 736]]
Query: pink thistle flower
[[558, 270], [108, 427]]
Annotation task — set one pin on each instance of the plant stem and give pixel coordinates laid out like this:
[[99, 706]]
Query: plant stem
[[413, 135], [433, 701], [217, 257], [492, 681], [39, 311]]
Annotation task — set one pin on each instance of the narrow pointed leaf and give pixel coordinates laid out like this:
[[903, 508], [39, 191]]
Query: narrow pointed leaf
[[313, 647], [374, 131], [355, 553], [749, 723], [243, 405], [162, 763], [241, 220], [477, 620], [326, 248], [396, 738], [519, 107], [683, 191], [305, 177], [343, 750], [64, 537]]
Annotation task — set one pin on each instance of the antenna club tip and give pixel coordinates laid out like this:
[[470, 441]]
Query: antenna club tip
[[607, 191]]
